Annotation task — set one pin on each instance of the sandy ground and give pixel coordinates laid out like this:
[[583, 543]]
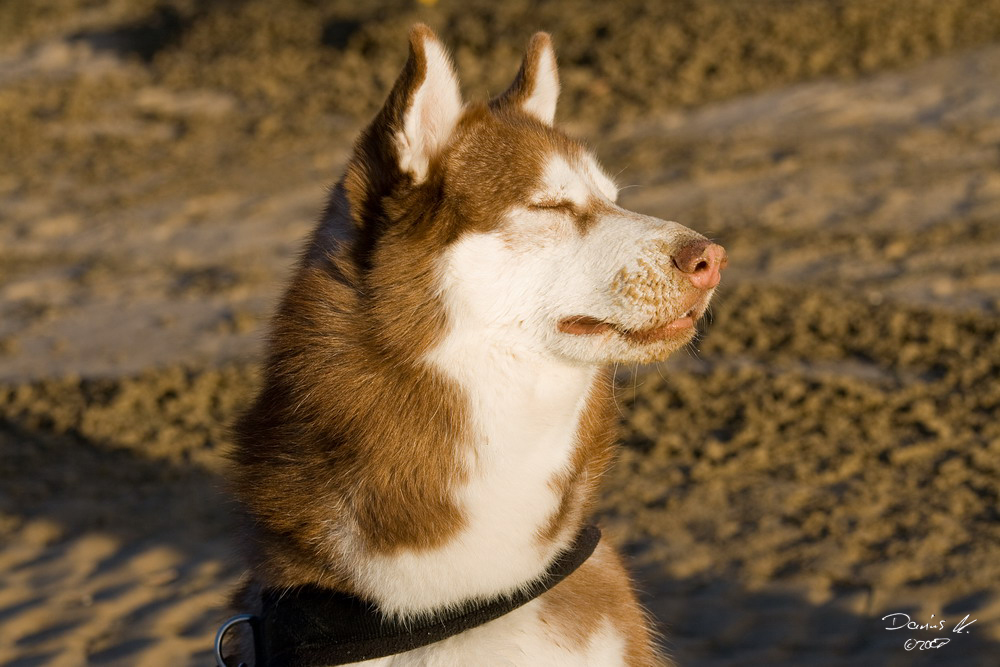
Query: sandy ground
[[826, 455]]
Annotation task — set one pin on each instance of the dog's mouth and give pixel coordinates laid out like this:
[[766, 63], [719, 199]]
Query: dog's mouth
[[584, 325]]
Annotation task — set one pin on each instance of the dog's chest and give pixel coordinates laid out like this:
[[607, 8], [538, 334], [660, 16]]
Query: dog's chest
[[523, 423]]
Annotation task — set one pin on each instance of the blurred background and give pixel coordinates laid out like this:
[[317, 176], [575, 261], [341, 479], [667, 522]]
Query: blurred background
[[826, 454]]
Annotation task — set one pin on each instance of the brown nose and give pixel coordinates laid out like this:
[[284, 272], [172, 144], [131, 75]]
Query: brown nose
[[702, 261]]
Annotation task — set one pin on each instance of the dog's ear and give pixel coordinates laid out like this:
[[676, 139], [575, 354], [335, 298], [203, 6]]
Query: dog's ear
[[420, 114], [425, 103], [536, 88]]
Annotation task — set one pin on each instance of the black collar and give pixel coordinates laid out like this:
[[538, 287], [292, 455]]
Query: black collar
[[311, 626]]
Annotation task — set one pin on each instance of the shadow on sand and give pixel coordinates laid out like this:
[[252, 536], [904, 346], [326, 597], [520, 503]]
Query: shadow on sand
[[86, 487]]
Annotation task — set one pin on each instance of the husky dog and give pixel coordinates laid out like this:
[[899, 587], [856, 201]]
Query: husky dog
[[436, 410]]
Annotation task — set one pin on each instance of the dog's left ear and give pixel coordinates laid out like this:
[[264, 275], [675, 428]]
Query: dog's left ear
[[535, 90], [430, 91], [417, 119]]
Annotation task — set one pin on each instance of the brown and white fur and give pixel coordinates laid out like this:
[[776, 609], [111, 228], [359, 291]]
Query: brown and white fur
[[436, 413]]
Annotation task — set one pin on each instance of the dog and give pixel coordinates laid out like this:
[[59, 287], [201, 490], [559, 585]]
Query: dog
[[436, 410]]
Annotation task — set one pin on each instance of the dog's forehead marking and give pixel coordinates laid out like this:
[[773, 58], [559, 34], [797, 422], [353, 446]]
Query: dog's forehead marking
[[562, 182], [575, 183]]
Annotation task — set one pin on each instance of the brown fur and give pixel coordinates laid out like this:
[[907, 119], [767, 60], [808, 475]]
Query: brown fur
[[345, 346], [598, 592], [349, 422]]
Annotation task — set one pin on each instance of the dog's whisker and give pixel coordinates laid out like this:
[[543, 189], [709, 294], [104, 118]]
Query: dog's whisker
[[659, 370], [614, 377]]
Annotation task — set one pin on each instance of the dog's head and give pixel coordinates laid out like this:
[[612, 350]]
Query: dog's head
[[484, 218]]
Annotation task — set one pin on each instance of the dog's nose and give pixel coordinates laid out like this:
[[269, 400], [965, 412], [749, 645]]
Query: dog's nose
[[702, 261]]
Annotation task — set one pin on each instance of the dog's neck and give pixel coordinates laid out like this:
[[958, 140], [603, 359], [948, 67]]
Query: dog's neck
[[525, 406]]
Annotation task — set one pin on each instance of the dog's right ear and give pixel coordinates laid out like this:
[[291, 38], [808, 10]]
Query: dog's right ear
[[535, 90]]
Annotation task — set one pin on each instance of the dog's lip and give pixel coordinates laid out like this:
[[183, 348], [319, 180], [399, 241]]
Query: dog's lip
[[654, 334], [584, 325]]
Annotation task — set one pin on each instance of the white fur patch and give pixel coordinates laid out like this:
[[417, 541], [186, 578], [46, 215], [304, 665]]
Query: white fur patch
[[561, 182], [576, 183], [433, 112]]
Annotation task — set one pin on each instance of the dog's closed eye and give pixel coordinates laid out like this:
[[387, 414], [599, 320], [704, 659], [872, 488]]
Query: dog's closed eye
[[560, 205]]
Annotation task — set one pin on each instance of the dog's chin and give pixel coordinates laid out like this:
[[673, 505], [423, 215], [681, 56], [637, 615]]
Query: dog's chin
[[651, 351]]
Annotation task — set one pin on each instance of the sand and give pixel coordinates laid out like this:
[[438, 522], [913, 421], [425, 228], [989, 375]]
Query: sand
[[825, 455]]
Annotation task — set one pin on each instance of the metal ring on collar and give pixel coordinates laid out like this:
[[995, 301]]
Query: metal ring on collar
[[221, 634]]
